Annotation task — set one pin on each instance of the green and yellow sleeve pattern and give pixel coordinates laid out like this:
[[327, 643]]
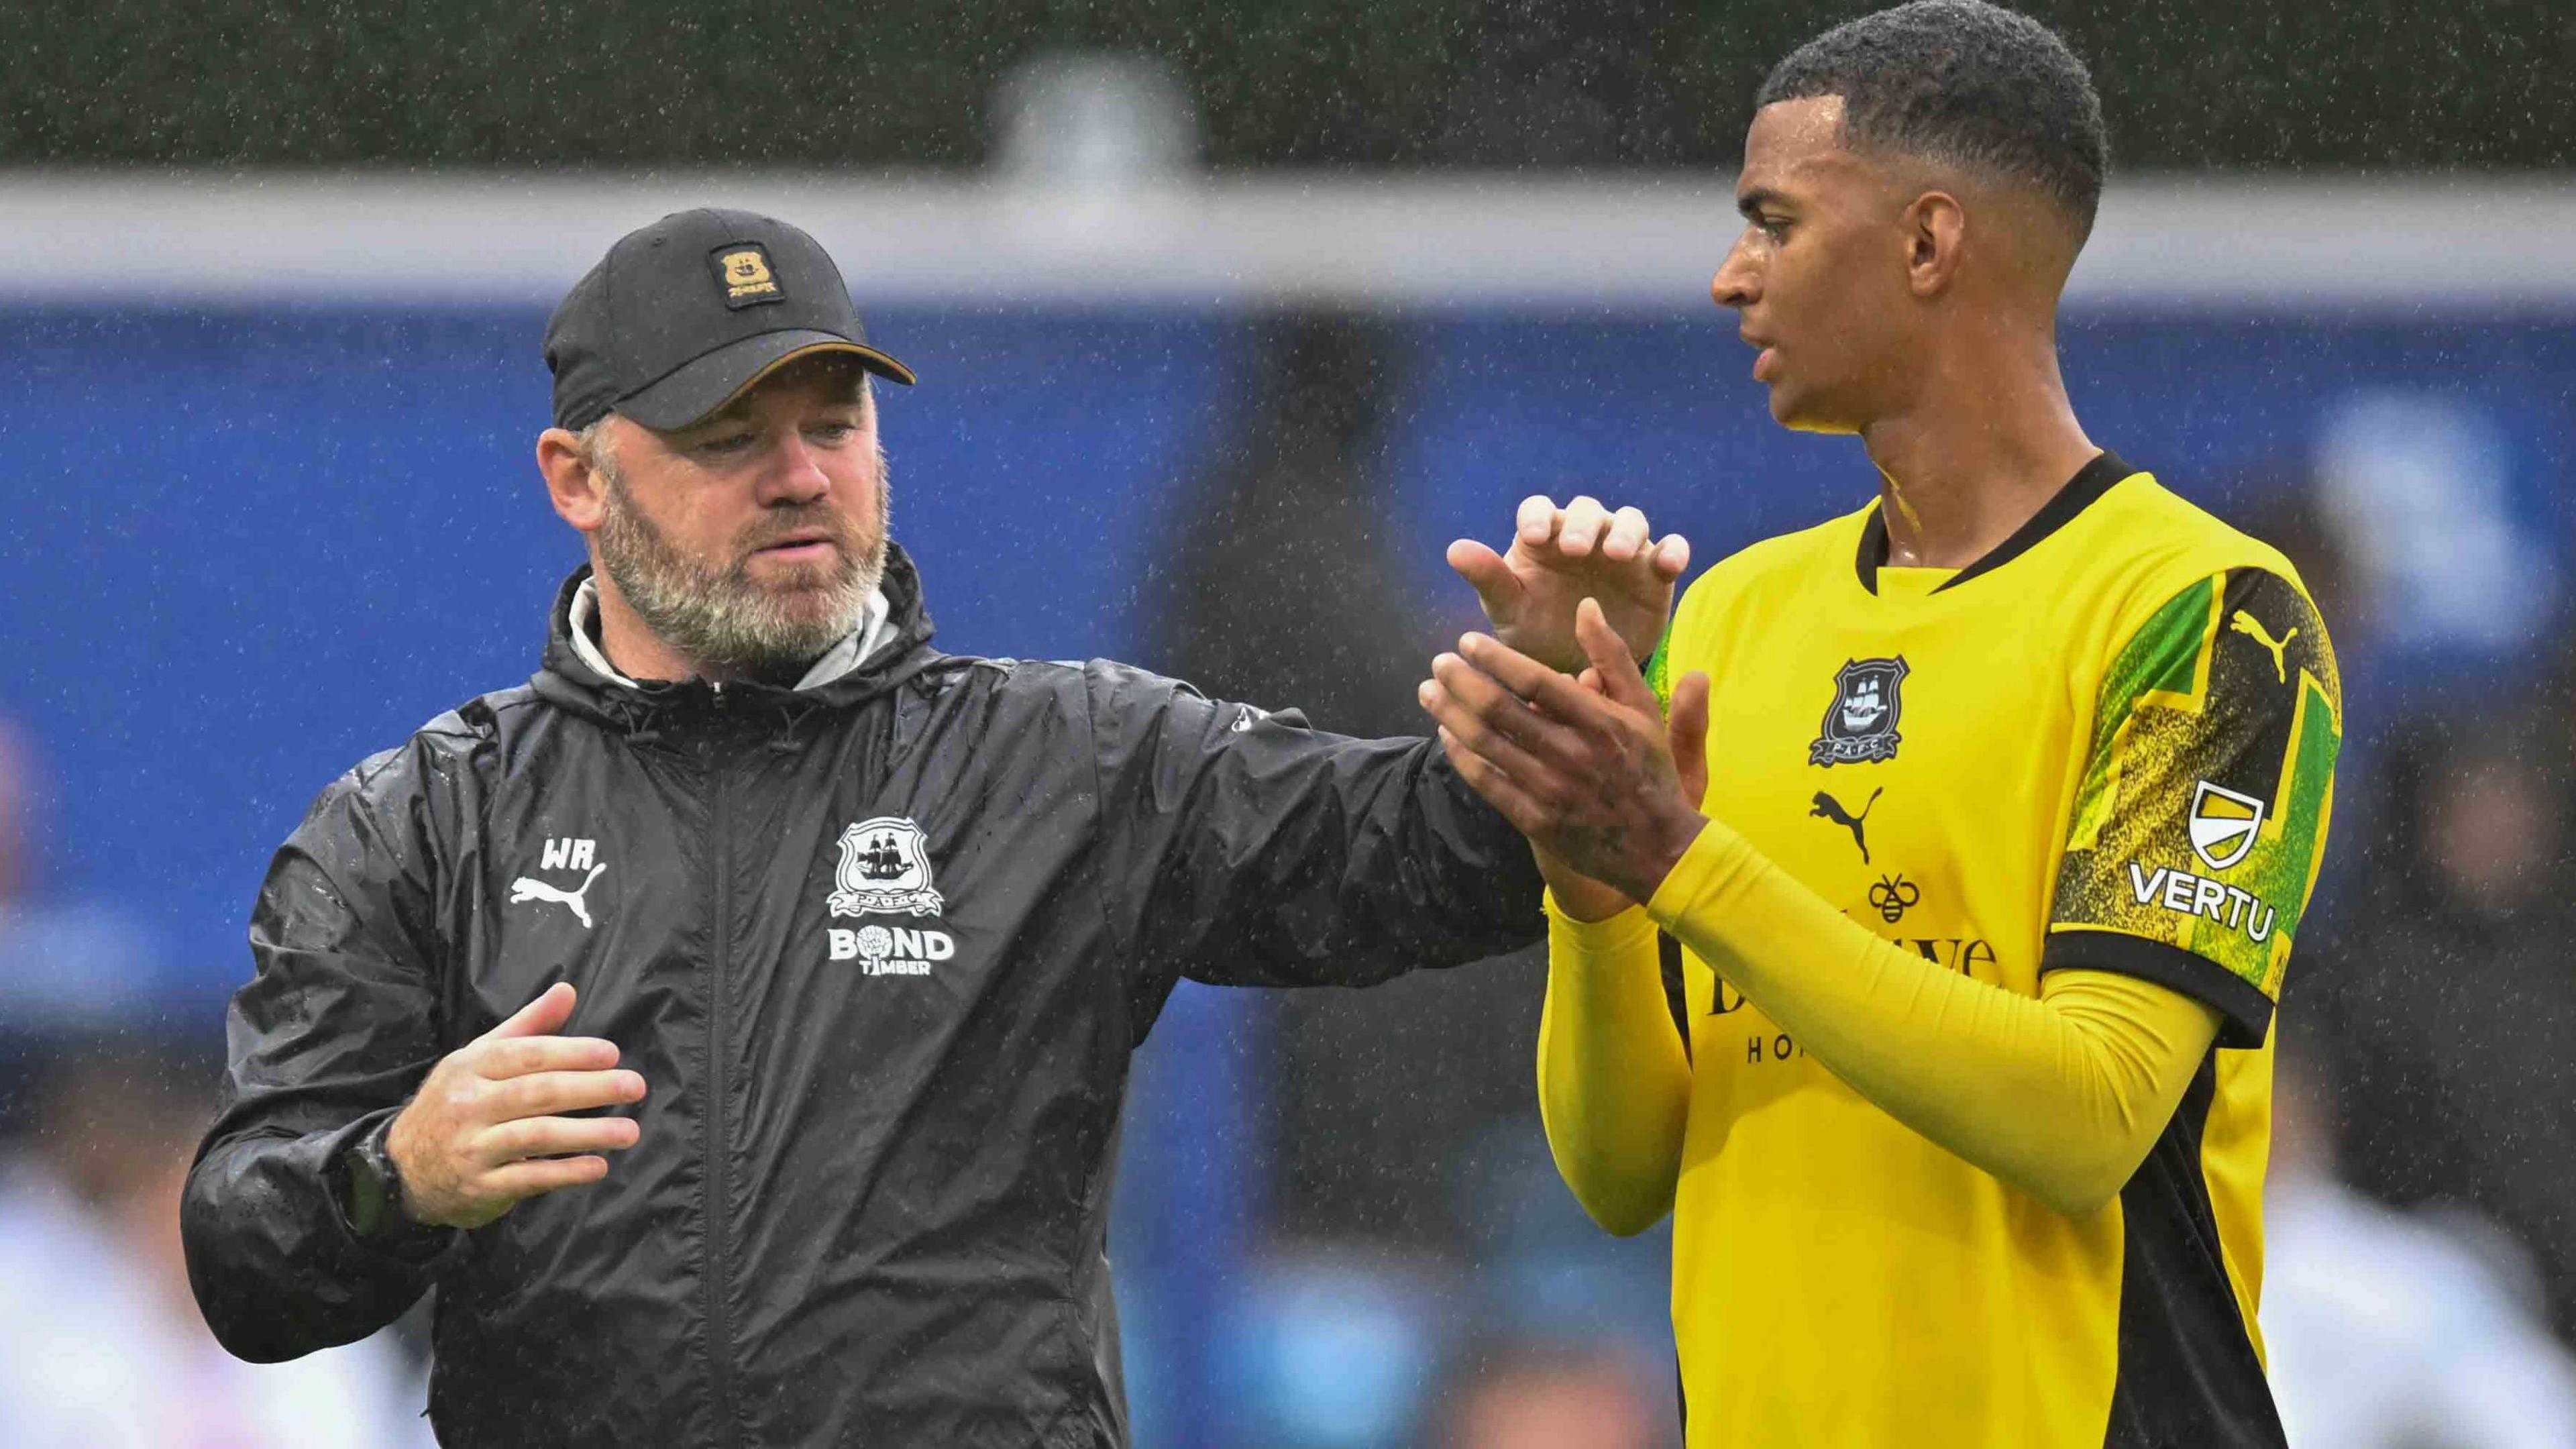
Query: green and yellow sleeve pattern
[[2202, 814]]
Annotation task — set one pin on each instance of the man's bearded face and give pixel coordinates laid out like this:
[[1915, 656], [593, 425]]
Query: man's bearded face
[[727, 609]]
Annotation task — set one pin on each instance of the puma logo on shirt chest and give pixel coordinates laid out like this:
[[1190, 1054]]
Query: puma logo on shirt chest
[[1829, 808]]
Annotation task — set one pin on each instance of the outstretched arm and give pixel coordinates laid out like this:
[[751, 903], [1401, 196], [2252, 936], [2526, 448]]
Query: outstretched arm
[[1243, 848], [1262, 852]]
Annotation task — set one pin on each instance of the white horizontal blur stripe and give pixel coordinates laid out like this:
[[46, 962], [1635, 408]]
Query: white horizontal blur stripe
[[1632, 243]]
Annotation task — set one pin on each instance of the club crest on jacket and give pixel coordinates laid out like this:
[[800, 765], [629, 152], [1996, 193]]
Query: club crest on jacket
[[884, 871]]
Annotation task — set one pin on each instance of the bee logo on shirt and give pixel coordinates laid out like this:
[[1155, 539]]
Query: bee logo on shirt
[[1893, 896], [1860, 725]]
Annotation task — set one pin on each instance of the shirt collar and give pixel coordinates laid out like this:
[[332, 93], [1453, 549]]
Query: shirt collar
[[2088, 485], [840, 659]]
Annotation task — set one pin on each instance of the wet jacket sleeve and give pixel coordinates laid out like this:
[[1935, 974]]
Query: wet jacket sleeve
[[1247, 849], [329, 1038]]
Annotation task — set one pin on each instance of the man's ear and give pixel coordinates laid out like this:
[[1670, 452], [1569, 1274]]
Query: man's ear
[[1936, 240], [578, 492]]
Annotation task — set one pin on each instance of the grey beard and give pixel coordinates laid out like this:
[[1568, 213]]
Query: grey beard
[[721, 619]]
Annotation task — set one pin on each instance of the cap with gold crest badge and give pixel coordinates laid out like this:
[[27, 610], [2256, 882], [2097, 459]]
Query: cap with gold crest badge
[[684, 315]]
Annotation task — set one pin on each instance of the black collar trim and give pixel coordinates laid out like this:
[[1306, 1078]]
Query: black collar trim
[[2089, 483]]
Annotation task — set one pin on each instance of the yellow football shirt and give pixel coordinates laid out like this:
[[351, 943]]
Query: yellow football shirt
[[2109, 744]]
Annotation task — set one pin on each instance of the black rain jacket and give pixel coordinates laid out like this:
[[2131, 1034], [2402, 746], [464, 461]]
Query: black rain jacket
[[880, 949]]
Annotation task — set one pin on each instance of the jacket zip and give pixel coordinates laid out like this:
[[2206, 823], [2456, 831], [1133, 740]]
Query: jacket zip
[[719, 1157]]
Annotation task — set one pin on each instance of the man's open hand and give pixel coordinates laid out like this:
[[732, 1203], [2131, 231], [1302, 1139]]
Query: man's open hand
[[1560, 556], [483, 1134], [1588, 769]]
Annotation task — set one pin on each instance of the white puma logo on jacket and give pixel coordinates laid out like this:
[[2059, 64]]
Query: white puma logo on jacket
[[528, 888]]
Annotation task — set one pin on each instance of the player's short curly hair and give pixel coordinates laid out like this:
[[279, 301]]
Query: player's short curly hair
[[1964, 82]]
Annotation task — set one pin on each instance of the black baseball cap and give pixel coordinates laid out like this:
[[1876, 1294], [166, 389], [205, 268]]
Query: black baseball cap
[[682, 315]]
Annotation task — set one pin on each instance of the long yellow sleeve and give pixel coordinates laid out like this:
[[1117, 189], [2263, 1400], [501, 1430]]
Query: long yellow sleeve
[[1613, 1076], [2060, 1095]]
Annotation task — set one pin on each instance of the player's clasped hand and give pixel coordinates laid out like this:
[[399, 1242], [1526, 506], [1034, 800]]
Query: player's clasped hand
[[1560, 555], [483, 1133], [1588, 769]]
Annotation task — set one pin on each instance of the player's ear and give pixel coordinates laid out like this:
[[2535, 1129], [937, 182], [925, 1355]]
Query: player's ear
[[578, 492], [1936, 236]]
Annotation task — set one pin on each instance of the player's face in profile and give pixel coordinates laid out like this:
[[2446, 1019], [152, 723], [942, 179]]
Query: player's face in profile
[[754, 538], [1818, 274]]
